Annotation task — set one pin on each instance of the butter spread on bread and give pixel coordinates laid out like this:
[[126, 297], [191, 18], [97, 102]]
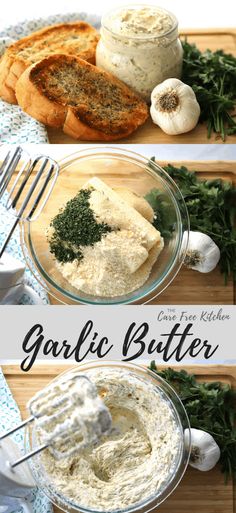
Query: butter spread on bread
[[77, 38], [88, 103]]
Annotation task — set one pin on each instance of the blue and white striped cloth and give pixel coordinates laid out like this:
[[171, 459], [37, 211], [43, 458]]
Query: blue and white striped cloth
[[9, 417]]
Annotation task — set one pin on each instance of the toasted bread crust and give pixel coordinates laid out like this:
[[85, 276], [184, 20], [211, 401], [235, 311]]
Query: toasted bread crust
[[98, 105], [78, 130], [36, 104], [6, 91], [40, 44]]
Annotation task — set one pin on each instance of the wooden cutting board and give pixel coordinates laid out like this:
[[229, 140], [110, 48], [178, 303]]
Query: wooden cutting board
[[213, 39], [198, 492], [191, 287]]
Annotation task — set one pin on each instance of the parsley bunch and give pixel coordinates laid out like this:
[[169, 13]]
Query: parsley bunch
[[211, 408], [162, 222], [212, 76], [211, 206]]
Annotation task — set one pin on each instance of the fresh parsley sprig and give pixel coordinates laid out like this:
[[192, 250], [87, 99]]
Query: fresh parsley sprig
[[162, 222], [212, 76], [211, 206], [211, 407]]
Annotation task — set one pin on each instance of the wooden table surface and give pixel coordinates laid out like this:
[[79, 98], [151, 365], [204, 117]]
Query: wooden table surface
[[199, 492], [214, 39]]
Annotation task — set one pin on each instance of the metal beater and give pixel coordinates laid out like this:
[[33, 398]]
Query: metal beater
[[69, 415], [28, 187]]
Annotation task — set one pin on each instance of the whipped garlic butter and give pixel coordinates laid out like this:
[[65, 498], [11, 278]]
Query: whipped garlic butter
[[69, 415], [135, 460], [140, 45]]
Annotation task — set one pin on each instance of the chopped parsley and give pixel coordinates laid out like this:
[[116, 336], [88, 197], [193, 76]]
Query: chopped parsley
[[75, 226]]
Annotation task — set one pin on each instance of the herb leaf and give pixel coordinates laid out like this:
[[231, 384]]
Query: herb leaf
[[211, 206], [210, 407], [212, 76], [162, 222]]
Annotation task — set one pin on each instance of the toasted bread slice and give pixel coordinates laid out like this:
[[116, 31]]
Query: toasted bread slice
[[78, 38], [90, 104]]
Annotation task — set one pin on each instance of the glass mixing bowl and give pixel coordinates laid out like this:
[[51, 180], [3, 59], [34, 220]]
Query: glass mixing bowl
[[43, 480], [118, 168]]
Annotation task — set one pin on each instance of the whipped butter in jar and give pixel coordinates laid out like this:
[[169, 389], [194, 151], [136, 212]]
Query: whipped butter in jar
[[139, 45]]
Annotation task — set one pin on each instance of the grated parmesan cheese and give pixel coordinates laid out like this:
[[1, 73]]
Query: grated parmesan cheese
[[114, 266]]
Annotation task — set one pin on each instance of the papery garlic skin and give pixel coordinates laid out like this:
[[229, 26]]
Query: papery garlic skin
[[202, 253], [174, 107], [205, 452]]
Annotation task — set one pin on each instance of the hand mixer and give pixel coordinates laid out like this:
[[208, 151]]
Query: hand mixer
[[31, 187], [69, 415]]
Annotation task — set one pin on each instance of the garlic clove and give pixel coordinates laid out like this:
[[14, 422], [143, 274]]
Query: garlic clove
[[205, 452], [202, 253]]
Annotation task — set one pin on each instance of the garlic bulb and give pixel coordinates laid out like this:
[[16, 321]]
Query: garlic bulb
[[204, 450], [174, 107], [202, 254]]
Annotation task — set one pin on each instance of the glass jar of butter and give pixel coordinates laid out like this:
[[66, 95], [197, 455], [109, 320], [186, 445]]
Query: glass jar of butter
[[139, 45]]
